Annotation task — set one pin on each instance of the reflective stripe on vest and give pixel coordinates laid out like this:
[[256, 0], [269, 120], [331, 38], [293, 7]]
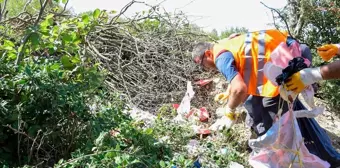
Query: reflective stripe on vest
[[249, 61], [251, 51]]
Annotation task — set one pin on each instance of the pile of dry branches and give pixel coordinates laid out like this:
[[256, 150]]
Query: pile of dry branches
[[149, 57]]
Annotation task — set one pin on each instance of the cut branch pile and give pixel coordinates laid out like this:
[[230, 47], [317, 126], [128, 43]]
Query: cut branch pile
[[149, 60]]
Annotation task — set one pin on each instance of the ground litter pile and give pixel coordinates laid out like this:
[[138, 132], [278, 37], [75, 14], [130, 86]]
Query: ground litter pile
[[148, 59]]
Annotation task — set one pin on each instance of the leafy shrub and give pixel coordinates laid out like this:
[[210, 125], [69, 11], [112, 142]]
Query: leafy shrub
[[45, 112]]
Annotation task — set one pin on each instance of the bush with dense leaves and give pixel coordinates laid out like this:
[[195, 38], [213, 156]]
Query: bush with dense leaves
[[54, 102]]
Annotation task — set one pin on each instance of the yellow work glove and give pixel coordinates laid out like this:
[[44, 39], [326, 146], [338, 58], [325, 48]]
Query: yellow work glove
[[221, 98], [328, 51], [226, 121], [298, 81]]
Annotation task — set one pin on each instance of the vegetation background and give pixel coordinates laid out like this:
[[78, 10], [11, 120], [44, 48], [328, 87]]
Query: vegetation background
[[68, 81]]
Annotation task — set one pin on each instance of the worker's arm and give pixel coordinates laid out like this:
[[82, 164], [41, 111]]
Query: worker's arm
[[330, 71], [238, 92], [308, 76], [225, 63]]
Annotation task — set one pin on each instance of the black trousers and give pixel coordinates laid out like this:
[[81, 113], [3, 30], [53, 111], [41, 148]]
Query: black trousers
[[261, 112]]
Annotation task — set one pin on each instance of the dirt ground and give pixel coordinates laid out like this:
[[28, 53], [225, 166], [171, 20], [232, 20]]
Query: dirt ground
[[330, 121]]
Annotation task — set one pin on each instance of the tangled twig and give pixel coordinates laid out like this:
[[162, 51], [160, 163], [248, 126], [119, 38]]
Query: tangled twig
[[148, 59]]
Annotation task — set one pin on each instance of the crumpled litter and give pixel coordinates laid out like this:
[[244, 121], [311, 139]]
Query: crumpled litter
[[184, 107], [187, 114], [140, 115], [283, 145], [198, 114], [203, 82], [235, 165], [308, 96]]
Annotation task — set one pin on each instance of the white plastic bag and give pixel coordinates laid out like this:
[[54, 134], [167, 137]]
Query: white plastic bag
[[309, 113], [282, 146], [184, 107]]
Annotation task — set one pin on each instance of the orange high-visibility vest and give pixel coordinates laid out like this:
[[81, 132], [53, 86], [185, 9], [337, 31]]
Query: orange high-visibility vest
[[251, 52]]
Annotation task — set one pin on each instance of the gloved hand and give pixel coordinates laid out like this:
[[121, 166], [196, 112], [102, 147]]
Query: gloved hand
[[221, 98], [227, 120], [298, 81], [328, 51]]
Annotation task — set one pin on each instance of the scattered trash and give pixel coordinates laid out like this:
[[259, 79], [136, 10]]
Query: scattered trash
[[187, 114], [198, 114], [184, 107], [203, 82], [197, 164], [175, 106], [224, 151], [204, 115], [235, 165], [140, 115], [193, 147]]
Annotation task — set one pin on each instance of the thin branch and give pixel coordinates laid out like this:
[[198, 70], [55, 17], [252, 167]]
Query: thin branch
[[64, 9], [42, 9], [25, 39], [4, 7], [284, 20], [3, 11], [26, 5], [123, 10]]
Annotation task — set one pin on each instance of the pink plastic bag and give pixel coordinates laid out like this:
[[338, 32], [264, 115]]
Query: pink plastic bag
[[282, 146], [283, 54]]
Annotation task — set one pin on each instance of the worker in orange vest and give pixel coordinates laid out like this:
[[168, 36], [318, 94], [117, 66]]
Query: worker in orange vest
[[305, 77], [241, 60]]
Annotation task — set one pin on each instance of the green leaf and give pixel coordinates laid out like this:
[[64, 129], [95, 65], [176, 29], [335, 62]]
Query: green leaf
[[110, 155], [80, 25], [75, 60], [32, 131], [22, 81], [28, 71], [85, 19], [162, 163], [49, 16], [8, 45], [96, 13], [149, 131], [65, 60], [13, 117], [12, 56], [55, 66], [66, 38], [113, 12], [64, 1], [35, 39], [118, 160]]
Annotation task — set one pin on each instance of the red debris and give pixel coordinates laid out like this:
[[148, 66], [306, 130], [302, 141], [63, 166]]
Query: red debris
[[175, 106], [191, 112], [204, 131], [204, 115], [203, 82]]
